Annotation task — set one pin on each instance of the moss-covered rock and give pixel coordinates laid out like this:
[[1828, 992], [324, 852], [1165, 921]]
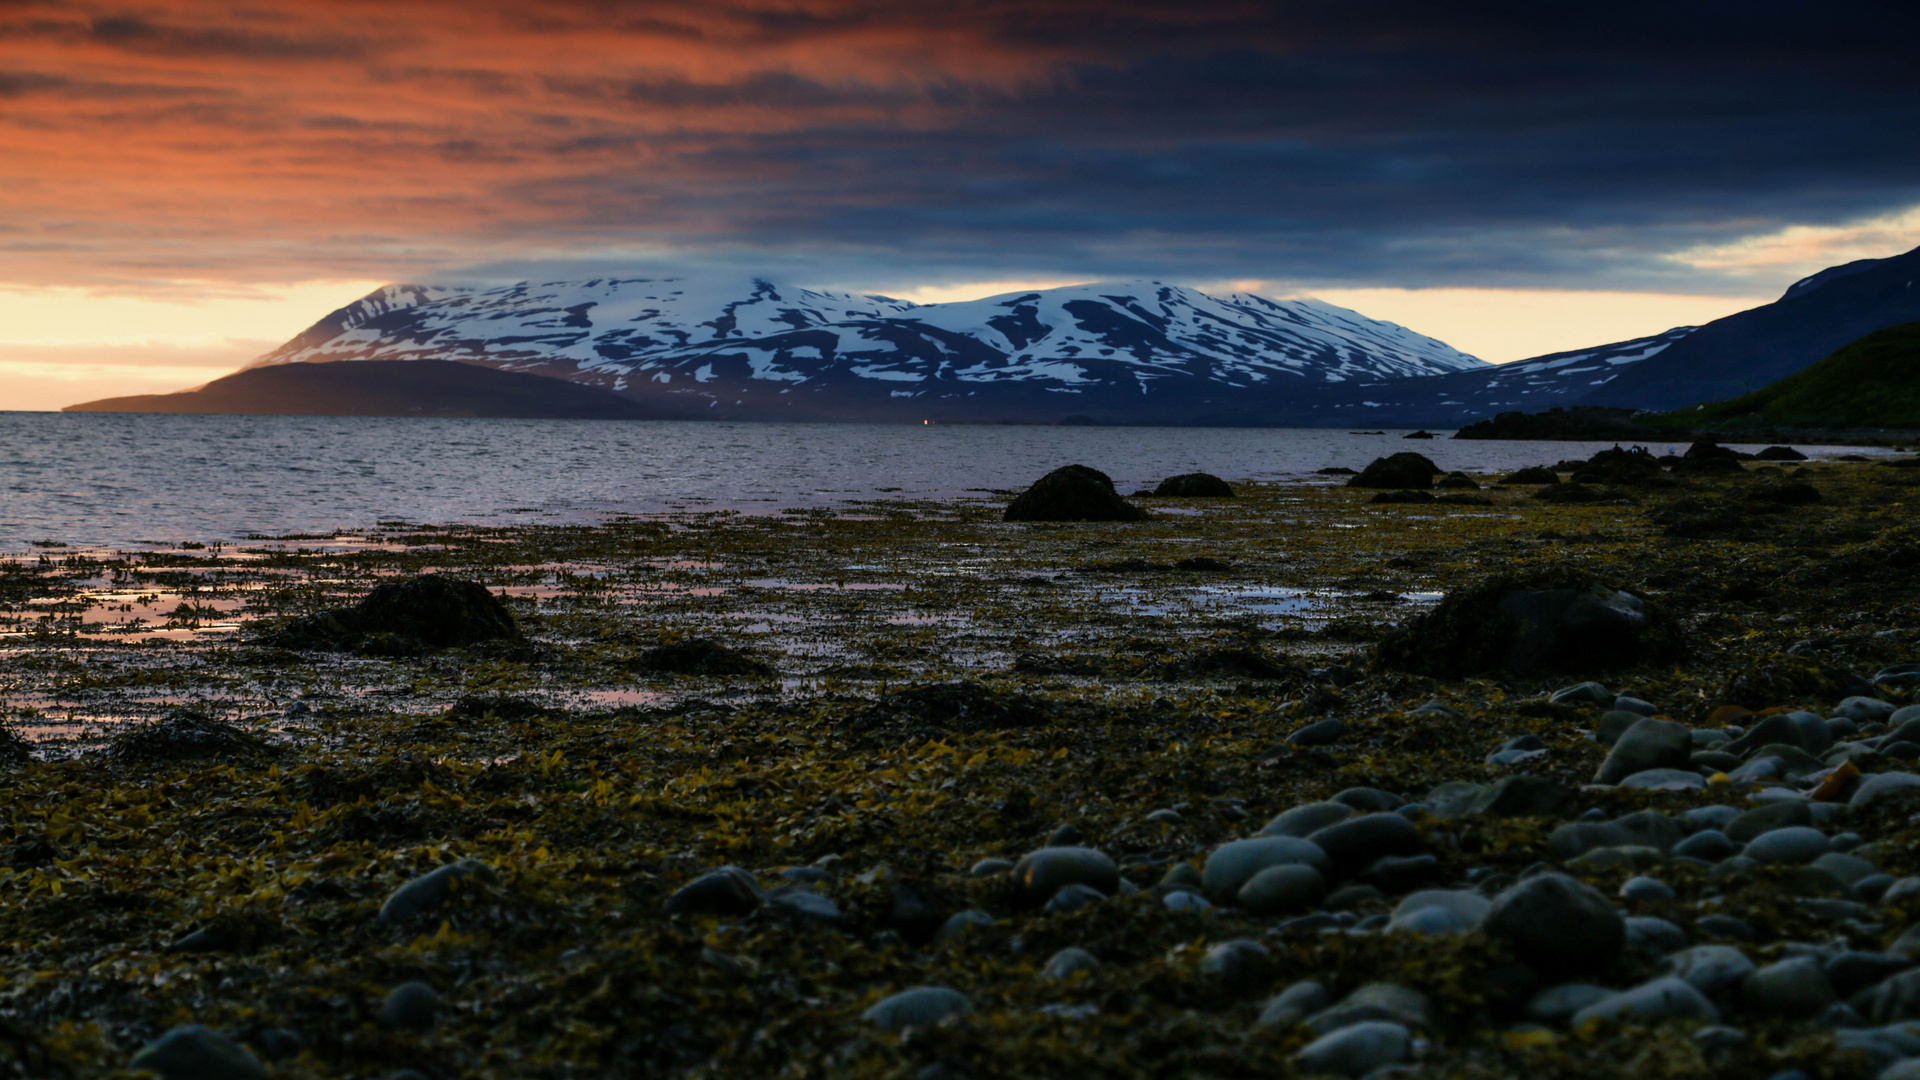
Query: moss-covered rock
[[1073, 493]]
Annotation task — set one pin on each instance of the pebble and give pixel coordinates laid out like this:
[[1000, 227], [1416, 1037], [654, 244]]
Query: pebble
[[1711, 845], [1710, 969], [1665, 780], [1302, 820], [1767, 818], [1357, 1050], [428, 891], [726, 891], [1865, 710], [1294, 1004], [1652, 936], [1708, 817], [1183, 901], [1660, 999], [1072, 898], [1557, 925], [1521, 796], [1634, 705], [1717, 1039], [1794, 844], [1432, 921], [991, 867], [1181, 875], [1241, 966], [805, 875], [1586, 693], [1366, 800], [1282, 890], [1879, 786], [1068, 962], [1375, 1001], [1896, 997], [1320, 733], [917, 1007], [808, 904], [1466, 907], [1796, 988], [1043, 873], [1726, 926], [1851, 972], [1354, 844], [962, 922], [1614, 723], [196, 1052], [1166, 817], [1233, 864], [1647, 744], [411, 1006], [1903, 889], [1850, 869], [1558, 1003], [1439, 707], [1066, 835]]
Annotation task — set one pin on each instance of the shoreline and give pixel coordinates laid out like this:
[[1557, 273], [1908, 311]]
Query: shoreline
[[921, 688]]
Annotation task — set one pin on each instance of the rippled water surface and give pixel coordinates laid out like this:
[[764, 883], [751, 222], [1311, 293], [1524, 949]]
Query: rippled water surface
[[129, 480]]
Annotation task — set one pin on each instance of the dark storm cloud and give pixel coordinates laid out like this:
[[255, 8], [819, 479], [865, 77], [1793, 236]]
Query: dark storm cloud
[[1383, 143]]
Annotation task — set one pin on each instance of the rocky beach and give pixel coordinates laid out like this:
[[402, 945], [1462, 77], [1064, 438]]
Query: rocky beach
[[1607, 771]]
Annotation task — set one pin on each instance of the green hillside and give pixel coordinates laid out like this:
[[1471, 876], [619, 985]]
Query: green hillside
[[1871, 383]]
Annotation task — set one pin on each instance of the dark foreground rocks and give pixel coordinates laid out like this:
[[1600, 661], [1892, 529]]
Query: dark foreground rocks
[[1197, 485], [404, 617], [1404, 470], [1073, 493], [1551, 620]]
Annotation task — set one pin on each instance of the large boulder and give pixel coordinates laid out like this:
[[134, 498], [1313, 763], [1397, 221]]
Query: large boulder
[[405, 616], [1073, 493], [1558, 926], [1402, 470], [1519, 624], [1194, 485]]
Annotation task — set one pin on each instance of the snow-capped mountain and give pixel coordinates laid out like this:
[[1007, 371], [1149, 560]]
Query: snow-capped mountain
[[751, 348]]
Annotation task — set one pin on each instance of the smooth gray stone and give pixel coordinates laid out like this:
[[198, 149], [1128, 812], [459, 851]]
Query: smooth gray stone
[[1181, 875], [1375, 1001], [1711, 969], [1795, 989], [1767, 818], [1357, 1050], [1432, 921], [1880, 785], [1709, 844], [1873, 888], [428, 891], [1041, 874], [1716, 1039], [1894, 998], [1647, 744], [1904, 713], [1466, 906], [1067, 835], [1791, 845], [1586, 693], [1646, 890], [1760, 768], [1558, 926], [1073, 898], [1282, 890], [1828, 816], [1865, 710], [1514, 757], [1367, 800], [1850, 869], [1901, 1070], [805, 903], [1241, 966], [1294, 1004], [1354, 844], [1233, 864], [1707, 817], [1320, 733], [1840, 1015], [1186, 902], [1522, 796], [961, 923], [1715, 761], [1766, 795], [1068, 962], [1439, 707], [1613, 724], [411, 1006], [1652, 936], [1661, 999], [1651, 828], [1710, 738], [195, 1052], [1814, 735], [1305, 819], [1908, 943], [1732, 867], [1576, 838], [990, 867], [1902, 890], [1768, 729], [917, 1007], [1558, 1003], [1634, 705], [1843, 842], [1665, 780], [1726, 926], [809, 875], [1851, 972]]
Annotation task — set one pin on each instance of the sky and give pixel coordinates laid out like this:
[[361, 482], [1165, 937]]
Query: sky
[[184, 184]]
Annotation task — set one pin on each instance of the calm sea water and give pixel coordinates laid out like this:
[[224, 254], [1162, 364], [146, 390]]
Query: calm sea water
[[128, 481]]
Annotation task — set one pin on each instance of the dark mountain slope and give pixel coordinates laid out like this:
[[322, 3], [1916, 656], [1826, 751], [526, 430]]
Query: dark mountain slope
[[1871, 383], [388, 388]]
